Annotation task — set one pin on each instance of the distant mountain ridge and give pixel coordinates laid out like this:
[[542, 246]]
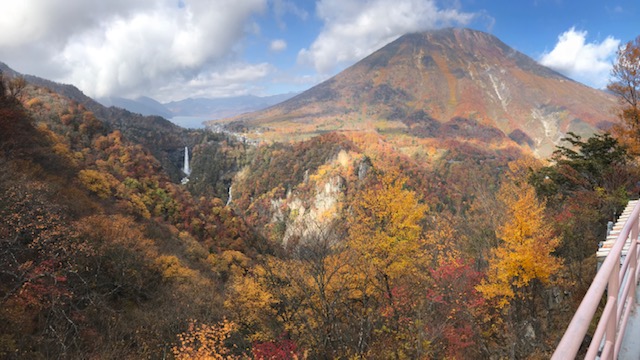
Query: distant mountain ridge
[[209, 108], [421, 81], [142, 105], [218, 108]]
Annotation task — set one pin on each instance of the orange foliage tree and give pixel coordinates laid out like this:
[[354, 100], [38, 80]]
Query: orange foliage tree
[[626, 85], [524, 258], [522, 264]]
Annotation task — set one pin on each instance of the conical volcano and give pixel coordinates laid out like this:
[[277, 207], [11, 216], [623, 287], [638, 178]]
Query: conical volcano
[[421, 81]]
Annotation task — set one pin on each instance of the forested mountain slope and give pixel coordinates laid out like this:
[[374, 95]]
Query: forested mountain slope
[[102, 254]]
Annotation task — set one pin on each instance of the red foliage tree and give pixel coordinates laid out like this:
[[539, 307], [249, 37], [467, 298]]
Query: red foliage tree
[[456, 303], [280, 349]]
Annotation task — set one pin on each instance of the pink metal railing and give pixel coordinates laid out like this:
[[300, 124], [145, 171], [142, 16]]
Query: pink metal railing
[[620, 282]]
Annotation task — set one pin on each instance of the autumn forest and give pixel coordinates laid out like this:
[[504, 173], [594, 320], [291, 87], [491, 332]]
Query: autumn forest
[[358, 244]]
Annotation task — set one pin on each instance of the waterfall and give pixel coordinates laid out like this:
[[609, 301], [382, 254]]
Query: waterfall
[[229, 199], [186, 169]]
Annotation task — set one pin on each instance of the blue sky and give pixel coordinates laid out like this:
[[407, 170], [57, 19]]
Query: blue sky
[[174, 49]]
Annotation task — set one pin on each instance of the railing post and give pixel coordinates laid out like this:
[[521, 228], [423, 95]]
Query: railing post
[[633, 263], [613, 289], [628, 301]]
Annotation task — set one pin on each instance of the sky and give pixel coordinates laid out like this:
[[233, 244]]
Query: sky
[[175, 49]]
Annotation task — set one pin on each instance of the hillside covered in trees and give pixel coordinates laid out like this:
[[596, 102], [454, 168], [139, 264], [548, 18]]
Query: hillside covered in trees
[[345, 245]]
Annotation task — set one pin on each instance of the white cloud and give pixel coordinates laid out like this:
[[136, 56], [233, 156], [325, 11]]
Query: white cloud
[[355, 28], [578, 59], [29, 21], [232, 80], [129, 48], [278, 45]]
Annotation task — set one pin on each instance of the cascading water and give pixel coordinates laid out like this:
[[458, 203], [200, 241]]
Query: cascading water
[[186, 169], [230, 198]]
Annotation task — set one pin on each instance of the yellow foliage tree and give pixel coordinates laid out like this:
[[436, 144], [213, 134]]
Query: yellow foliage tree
[[385, 227], [525, 254], [172, 268], [385, 234], [306, 296], [101, 183], [205, 342], [252, 304]]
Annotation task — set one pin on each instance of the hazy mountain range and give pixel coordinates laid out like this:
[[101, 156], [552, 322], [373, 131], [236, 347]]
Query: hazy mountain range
[[423, 81], [215, 108]]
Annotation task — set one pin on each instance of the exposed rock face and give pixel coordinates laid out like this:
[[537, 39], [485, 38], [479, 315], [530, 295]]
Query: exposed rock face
[[307, 222], [426, 79]]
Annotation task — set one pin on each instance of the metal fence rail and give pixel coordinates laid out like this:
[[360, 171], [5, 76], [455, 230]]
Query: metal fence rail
[[620, 283]]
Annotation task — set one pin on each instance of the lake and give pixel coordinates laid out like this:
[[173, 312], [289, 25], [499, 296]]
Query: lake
[[189, 122]]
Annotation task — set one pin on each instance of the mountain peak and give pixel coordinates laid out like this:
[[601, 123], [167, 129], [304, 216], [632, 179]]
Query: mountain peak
[[463, 45], [451, 33]]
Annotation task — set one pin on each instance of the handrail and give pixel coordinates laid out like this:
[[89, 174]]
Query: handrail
[[613, 320]]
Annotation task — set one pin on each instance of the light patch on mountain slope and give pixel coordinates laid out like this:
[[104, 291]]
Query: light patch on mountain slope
[[545, 124], [501, 91]]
